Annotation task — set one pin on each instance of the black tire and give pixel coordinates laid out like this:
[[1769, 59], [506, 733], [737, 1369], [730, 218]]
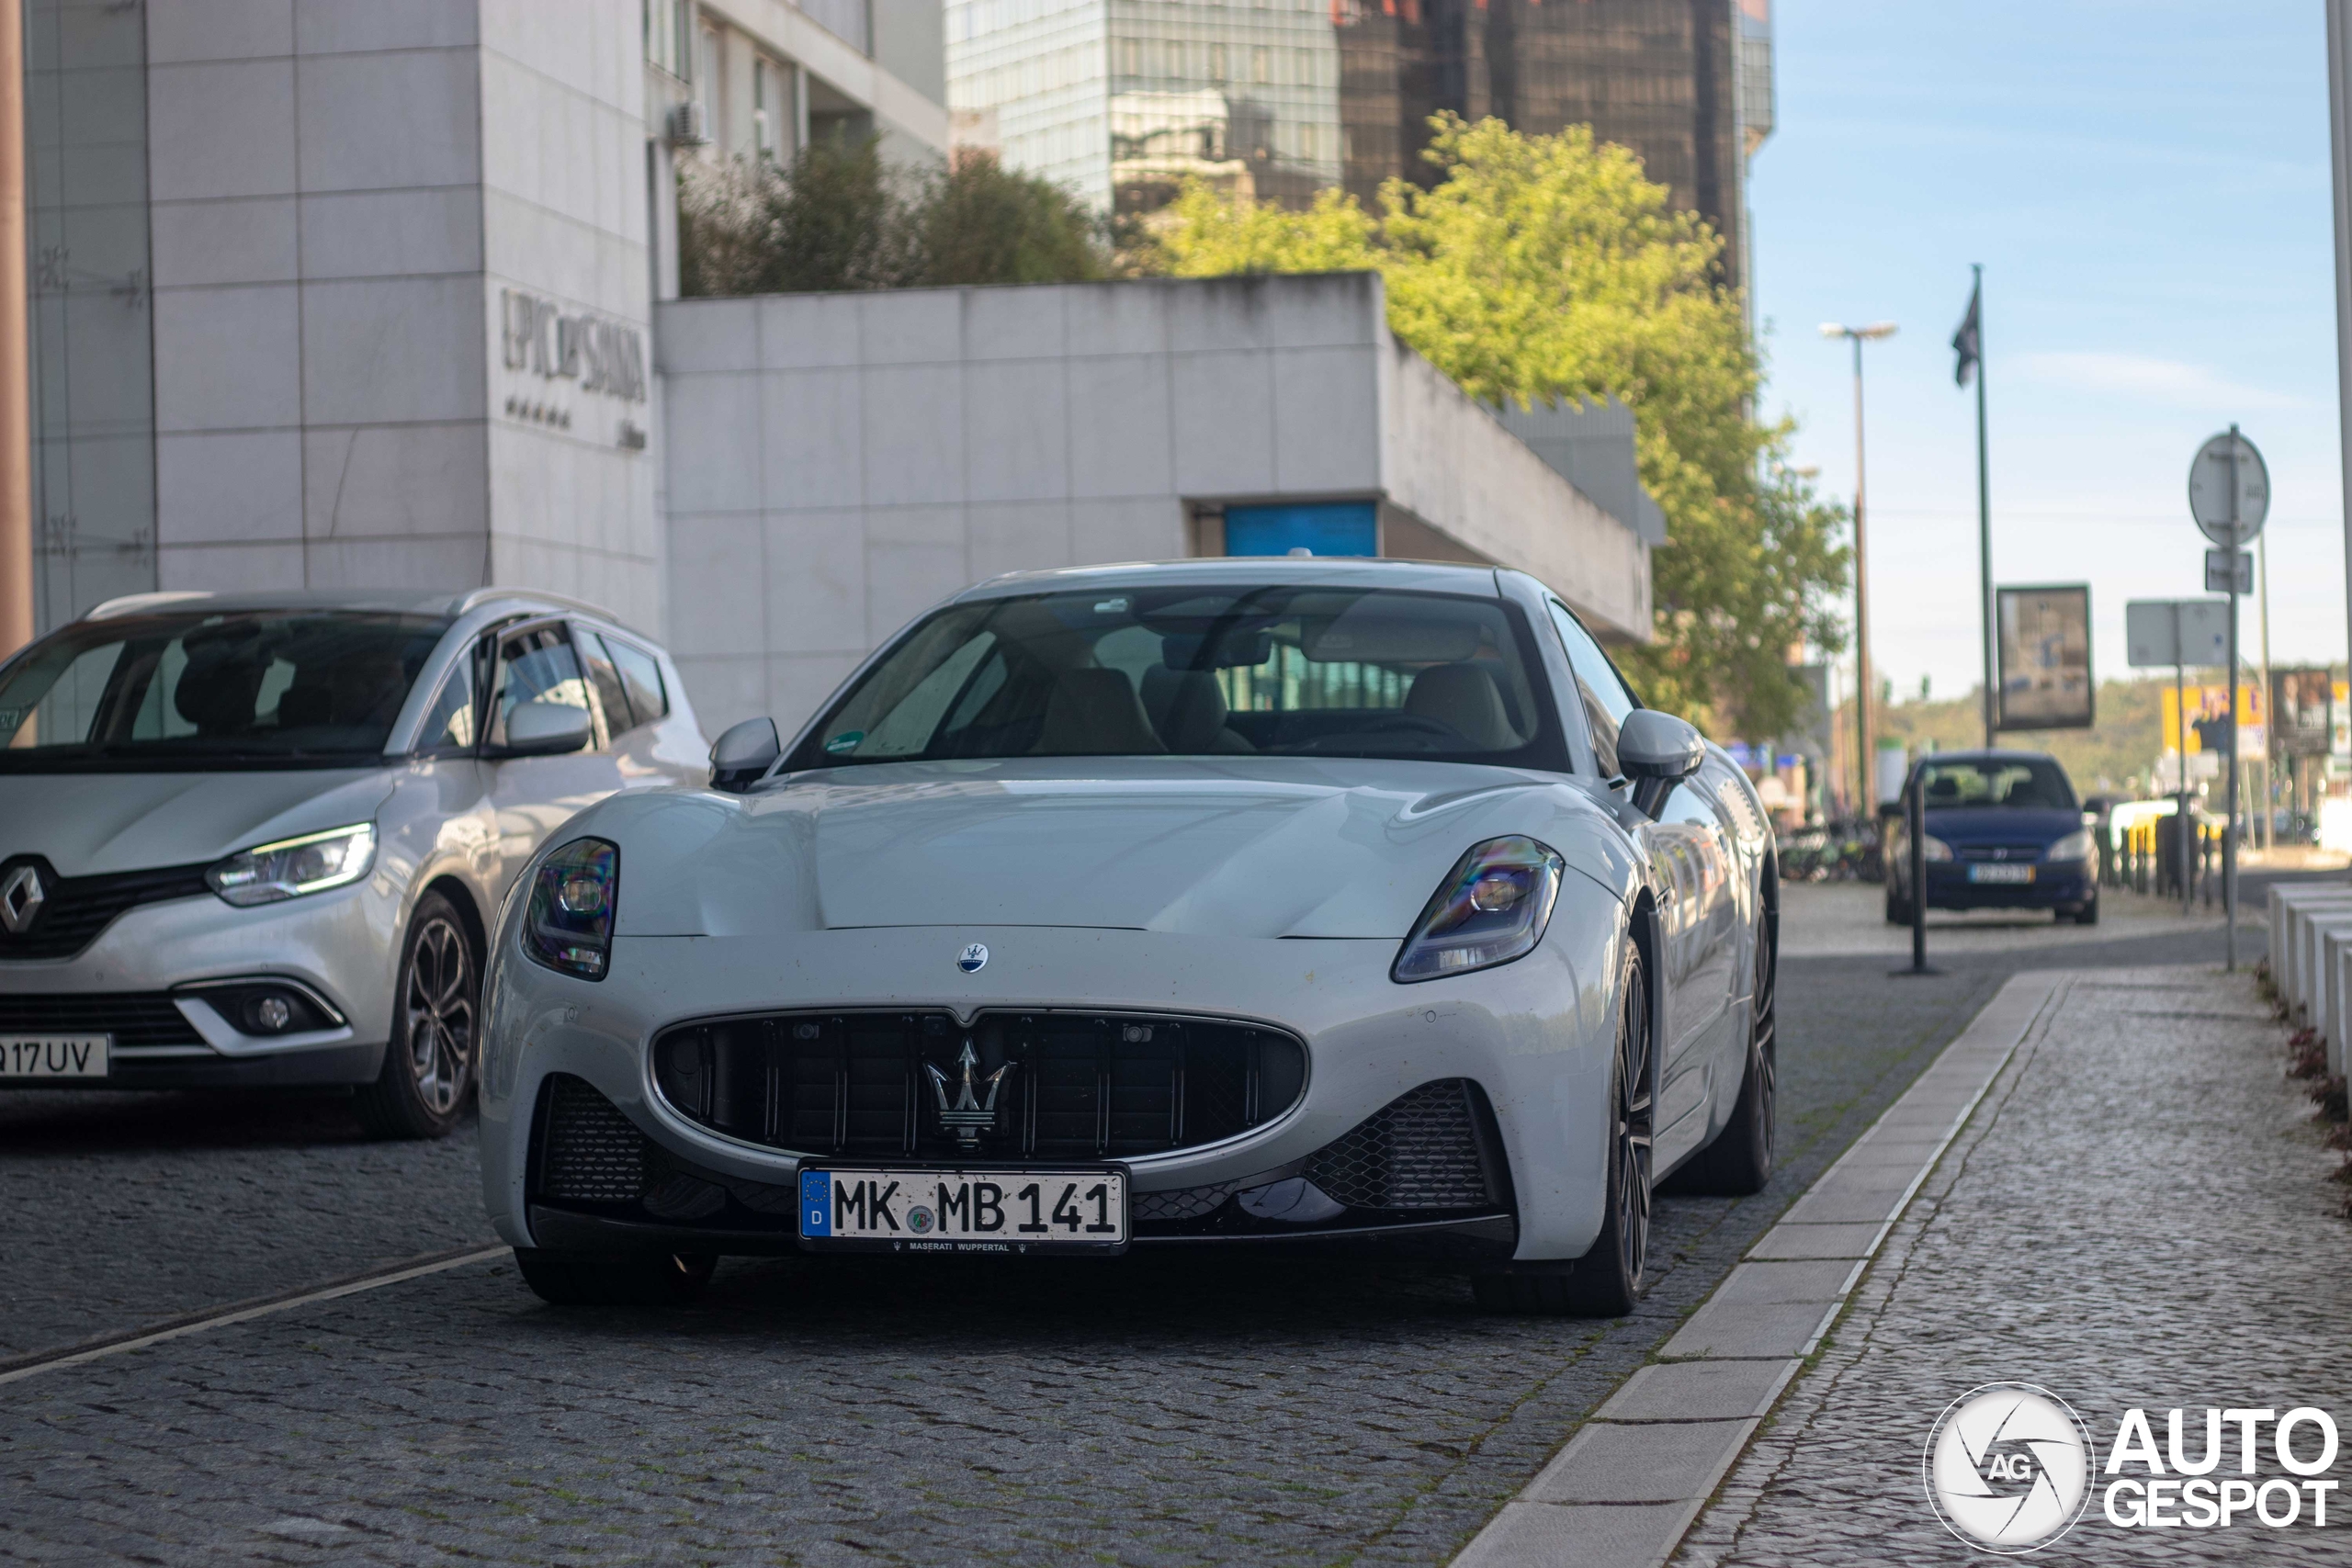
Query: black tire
[[614, 1278], [1739, 1162], [1608, 1279], [2087, 915], [1898, 908], [436, 1010]]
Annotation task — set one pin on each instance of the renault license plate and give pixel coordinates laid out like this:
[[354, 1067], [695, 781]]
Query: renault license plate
[[55, 1056], [2009, 874], [1067, 1208]]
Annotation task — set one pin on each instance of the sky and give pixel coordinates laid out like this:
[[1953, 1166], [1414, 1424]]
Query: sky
[[2147, 187]]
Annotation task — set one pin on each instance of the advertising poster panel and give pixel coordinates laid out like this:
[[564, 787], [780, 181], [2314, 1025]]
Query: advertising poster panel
[[2045, 657], [2302, 701], [2209, 713]]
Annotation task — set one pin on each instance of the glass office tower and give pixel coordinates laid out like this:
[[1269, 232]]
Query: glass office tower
[[1122, 100]]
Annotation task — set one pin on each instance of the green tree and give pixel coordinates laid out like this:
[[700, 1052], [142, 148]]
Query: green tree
[[1545, 269], [977, 222], [838, 216]]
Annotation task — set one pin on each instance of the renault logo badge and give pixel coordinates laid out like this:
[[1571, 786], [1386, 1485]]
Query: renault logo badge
[[22, 896], [971, 961]]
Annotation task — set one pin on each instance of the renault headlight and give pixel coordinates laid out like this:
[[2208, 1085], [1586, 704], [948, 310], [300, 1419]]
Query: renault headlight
[[291, 867], [2077, 845], [569, 925], [1492, 907]]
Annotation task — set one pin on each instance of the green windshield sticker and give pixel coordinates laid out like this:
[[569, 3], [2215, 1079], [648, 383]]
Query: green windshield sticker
[[845, 742]]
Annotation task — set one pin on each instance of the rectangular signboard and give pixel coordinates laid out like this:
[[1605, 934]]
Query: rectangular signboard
[[2203, 626], [2045, 657], [2217, 571]]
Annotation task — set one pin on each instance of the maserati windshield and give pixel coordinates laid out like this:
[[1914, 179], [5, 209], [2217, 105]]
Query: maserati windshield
[[196, 692], [1189, 671]]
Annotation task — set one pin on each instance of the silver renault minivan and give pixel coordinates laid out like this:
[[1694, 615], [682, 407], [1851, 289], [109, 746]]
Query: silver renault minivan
[[256, 839]]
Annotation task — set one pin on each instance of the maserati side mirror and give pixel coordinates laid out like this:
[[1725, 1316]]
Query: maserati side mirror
[[1657, 751], [744, 753]]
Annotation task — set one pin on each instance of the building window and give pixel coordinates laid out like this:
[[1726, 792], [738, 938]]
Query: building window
[[1217, 63], [1130, 57], [1261, 64], [767, 104], [669, 30], [709, 68]]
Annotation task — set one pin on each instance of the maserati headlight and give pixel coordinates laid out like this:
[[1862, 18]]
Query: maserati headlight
[[1492, 907], [2077, 845], [569, 925], [291, 867]]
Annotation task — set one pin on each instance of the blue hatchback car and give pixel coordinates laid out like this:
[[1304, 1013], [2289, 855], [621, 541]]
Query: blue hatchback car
[[2004, 830]]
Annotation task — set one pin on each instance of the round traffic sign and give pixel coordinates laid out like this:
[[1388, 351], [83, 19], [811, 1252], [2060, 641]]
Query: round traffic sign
[[2229, 490]]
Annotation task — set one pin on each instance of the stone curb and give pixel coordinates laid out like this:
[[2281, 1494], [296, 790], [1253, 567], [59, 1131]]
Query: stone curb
[[1634, 1477]]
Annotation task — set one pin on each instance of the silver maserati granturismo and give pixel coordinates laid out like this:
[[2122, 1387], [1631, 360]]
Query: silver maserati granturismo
[[1288, 904]]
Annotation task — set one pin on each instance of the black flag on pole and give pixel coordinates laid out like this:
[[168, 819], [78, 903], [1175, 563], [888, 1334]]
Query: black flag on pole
[[1965, 341]]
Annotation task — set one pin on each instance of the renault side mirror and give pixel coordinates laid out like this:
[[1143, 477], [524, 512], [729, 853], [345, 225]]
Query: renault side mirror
[[1657, 751], [543, 728], [744, 753]]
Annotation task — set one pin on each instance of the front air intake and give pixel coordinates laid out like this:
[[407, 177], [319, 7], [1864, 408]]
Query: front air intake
[[1422, 1150], [589, 1151]]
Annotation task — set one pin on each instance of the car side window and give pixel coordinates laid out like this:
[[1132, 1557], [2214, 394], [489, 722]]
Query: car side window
[[640, 675], [449, 723], [1602, 690], [537, 666], [607, 682]]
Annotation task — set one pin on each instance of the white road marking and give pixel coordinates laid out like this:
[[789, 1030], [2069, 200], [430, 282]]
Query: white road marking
[[397, 1274]]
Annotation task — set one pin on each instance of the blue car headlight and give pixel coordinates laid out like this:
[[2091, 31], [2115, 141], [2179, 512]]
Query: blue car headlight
[[569, 925], [2077, 845], [1492, 907]]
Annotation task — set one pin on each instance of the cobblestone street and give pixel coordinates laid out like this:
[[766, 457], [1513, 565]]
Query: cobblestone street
[[1146, 1413], [2138, 1215]]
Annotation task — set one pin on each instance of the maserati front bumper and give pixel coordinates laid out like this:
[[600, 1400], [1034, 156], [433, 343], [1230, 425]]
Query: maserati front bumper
[[1464, 1117]]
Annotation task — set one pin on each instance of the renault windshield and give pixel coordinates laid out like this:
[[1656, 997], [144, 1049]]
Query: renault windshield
[[198, 692]]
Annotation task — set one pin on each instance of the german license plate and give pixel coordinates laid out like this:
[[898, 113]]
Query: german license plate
[[2009, 874], [877, 1209], [55, 1056]]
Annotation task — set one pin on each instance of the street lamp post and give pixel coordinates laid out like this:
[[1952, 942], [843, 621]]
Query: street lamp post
[[1858, 337]]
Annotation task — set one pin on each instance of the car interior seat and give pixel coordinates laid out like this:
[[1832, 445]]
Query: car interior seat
[[1187, 707], [1095, 711], [217, 689], [1464, 698]]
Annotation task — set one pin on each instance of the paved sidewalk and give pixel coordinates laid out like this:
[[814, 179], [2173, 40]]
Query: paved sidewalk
[[2137, 1215]]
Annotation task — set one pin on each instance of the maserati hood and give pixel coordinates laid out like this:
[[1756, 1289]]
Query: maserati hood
[[1274, 847], [84, 824]]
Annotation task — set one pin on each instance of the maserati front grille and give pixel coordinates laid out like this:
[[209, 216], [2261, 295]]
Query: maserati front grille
[[1011, 1086]]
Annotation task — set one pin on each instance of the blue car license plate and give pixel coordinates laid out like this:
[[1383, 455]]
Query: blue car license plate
[[2012, 874]]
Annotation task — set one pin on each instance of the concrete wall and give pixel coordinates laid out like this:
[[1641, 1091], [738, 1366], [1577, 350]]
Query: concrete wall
[[1450, 462], [344, 193], [837, 463]]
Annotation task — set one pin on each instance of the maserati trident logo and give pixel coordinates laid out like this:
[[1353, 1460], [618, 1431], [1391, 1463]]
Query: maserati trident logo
[[973, 959], [22, 896], [970, 1115]]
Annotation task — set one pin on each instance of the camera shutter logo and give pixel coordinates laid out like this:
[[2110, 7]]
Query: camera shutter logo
[[2008, 1467]]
